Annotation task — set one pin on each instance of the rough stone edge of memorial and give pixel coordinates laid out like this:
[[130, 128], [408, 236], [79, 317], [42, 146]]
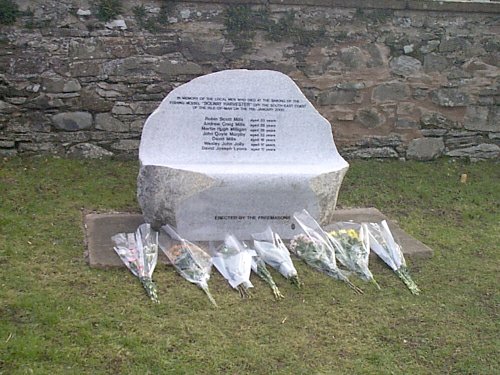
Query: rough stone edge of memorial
[[320, 185], [162, 178]]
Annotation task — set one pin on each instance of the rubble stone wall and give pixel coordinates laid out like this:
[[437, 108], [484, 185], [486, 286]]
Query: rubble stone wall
[[397, 79]]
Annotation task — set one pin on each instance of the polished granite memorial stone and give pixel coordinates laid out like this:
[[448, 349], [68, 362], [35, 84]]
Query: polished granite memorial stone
[[234, 152]]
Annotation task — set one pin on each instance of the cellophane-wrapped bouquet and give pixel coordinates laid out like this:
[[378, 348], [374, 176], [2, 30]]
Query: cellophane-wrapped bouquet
[[234, 261], [353, 248], [271, 249], [382, 242], [189, 260], [316, 249], [139, 252], [259, 267]]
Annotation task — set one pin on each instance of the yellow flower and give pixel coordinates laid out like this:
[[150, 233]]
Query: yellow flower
[[333, 233], [352, 233]]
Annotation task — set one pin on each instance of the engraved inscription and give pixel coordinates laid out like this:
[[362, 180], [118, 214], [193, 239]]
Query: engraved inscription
[[239, 124]]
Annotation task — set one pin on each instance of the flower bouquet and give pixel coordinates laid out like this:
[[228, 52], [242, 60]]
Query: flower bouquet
[[189, 260], [259, 267], [353, 248], [271, 249], [316, 248], [139, 252], [382, 242], [234, 261]]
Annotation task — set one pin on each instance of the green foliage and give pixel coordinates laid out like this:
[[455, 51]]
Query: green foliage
[[153, 23], [31, 23], [239, 25], [381, 15], [287, 28], [9, 11], [108, 9], [58, 316], [283, 28], [341, 35], [140, 14], [241, 21], [374, 15], [166, 9], [143, 21], [238, 19]]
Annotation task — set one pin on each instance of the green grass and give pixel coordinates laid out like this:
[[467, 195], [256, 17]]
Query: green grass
[[58, 316]]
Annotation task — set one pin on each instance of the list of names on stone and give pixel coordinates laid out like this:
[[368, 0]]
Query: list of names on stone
[[224, 134], [253, 128]]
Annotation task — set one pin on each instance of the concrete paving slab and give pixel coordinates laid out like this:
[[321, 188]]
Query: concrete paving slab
[[411, 247], [98, 231], [100, 227]]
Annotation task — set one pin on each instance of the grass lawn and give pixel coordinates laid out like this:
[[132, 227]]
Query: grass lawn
[[58, 316]]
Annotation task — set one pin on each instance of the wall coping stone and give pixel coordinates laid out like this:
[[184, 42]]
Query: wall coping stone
[[422, 5]]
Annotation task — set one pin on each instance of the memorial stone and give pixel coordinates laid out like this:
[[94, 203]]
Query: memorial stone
[[234, 152]]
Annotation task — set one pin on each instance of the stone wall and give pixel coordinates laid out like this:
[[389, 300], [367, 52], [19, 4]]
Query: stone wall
[[395, 79]]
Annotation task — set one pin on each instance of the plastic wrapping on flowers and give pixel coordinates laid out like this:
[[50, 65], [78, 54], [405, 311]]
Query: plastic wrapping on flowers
[[316, 249], [273, 252], [234, 262], [352, 248], [383, 244], [139, 252], [189, 260]]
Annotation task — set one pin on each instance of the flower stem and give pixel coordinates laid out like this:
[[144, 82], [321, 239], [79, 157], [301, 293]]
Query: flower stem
[[372, 280], [150, 288], [354, 287], [296, 281], [404, 275], [209, 295], [340, 276], [263, 272], [244, 292], [277, 293]]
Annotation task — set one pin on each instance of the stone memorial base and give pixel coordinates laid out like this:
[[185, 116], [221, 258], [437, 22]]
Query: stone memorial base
[[100, 227], [207, 206]]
